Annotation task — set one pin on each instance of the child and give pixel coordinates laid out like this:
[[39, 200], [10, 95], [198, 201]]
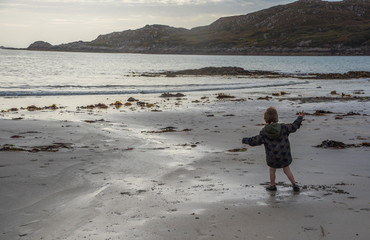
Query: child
[[275, 138]]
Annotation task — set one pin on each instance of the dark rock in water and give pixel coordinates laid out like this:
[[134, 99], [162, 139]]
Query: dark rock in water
[[332, 144], [219, 71], [131, 99], [348, 75], [40, 45], [214, 71]]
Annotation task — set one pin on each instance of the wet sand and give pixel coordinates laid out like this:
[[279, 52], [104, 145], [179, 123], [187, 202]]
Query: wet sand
[[135, 173]]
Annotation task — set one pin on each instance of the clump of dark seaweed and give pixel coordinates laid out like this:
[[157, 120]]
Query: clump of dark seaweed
[[168, 95], [224, 96], [340, 145]]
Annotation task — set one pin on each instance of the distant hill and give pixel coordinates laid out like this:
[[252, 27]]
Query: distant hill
[[305, 27]]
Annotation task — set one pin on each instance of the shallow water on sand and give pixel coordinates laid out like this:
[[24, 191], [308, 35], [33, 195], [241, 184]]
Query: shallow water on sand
[[28, 73]]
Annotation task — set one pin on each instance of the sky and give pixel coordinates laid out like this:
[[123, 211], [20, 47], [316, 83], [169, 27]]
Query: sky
[[23, 22]]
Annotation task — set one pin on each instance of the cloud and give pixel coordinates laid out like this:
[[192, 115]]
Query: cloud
[[166, 2]]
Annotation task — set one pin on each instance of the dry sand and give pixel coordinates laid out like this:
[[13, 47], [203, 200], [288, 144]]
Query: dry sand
[[122, 178]]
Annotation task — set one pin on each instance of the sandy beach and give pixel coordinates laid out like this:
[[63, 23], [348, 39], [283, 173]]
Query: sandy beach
[[175, 168]]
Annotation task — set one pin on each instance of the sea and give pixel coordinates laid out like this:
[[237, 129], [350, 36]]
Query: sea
[[38, 74]]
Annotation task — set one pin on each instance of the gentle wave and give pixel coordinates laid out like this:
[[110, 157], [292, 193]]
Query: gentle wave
[[113, 86], [144, 89]]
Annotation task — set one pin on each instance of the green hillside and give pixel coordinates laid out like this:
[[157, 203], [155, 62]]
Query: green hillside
[[303, 27]]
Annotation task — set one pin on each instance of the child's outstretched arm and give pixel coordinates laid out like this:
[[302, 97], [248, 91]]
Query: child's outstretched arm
[[296, 124], [254, 141]]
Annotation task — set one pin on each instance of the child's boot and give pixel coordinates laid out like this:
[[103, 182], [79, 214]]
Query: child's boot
[[271, 188], [296, 188]]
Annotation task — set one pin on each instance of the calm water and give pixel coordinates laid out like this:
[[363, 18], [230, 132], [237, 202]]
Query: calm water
[[26, 73]]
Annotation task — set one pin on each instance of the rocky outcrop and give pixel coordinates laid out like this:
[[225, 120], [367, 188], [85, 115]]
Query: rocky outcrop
[[149, 36], [40, 45], [218, 71], [348, 75], [238, 71]]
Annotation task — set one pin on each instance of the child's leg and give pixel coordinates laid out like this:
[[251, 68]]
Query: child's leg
[[272, 176], [289, 174]]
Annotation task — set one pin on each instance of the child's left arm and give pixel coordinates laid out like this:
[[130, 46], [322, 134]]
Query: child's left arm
[[296, 124]]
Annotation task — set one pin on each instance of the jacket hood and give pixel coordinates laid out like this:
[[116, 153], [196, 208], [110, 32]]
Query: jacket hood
[[272, 131]]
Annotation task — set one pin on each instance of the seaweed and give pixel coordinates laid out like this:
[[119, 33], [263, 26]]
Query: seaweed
[[340, 145], [224, 96], [168, 129], [46, 148], [168, 95]]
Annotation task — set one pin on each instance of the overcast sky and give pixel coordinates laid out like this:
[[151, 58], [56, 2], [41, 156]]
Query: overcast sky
[[23, 22]]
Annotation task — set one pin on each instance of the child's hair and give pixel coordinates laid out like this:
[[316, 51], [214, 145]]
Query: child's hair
[[271, 115]]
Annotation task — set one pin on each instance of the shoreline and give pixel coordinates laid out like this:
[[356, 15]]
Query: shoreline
[[253, 52], [123, 177], [315, 91]]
